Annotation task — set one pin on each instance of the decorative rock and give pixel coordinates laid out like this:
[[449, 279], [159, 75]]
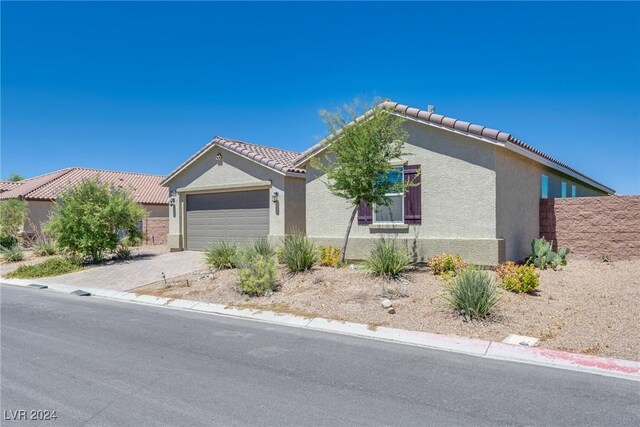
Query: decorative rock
[[391, 310], [386, 304]]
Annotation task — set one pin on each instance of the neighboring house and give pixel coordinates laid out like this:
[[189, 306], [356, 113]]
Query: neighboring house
[[478, 196], [40, 192]]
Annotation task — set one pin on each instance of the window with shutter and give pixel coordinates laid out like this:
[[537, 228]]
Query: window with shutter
[[413, 198]]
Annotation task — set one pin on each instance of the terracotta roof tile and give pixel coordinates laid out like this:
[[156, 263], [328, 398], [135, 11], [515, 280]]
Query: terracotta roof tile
[[272, 158], [146, 189], [8, 185]]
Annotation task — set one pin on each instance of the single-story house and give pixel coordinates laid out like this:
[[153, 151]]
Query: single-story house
[[41, 191], [478, 195]]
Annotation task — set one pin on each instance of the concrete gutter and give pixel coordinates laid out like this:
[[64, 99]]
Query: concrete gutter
[[625, 369]]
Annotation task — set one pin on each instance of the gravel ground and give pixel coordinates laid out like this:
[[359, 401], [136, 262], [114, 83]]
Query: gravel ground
[[588, 307]]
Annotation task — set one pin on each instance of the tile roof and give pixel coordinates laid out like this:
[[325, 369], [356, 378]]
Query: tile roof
[[274, 158], [456, 125], [8, 185], [146, 189]]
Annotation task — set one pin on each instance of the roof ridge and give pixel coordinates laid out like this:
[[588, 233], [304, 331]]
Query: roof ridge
[[257, 145], [65, 172], [115, 171]]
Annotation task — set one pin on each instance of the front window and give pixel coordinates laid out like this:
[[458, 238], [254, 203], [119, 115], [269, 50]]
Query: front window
[[564, 189], [394, 213], [573, 191]]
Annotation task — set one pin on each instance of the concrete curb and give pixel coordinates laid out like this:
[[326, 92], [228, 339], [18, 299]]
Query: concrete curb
[[625, 369]]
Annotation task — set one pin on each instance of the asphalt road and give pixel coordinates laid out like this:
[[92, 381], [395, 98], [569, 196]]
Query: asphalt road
[[100, 362]]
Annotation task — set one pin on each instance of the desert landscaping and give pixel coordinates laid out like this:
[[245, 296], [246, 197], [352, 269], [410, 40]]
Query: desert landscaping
[[586, 307]]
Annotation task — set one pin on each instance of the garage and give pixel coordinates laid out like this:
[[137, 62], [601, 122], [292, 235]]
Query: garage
[[235, 217]]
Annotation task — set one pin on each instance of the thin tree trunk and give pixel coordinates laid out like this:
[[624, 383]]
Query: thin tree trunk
[[346, 235]]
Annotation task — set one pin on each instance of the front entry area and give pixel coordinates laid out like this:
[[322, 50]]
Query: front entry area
[[235, 217]]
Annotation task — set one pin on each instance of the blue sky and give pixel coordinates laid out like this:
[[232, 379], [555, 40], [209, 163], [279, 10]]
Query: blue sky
[[141, 86]]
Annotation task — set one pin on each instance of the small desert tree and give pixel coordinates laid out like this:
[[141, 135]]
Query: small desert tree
[[88, 219], [359, 155], [13, 213]]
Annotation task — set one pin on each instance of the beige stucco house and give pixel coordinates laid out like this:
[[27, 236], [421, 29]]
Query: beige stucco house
[[478, 196], [40, 192]]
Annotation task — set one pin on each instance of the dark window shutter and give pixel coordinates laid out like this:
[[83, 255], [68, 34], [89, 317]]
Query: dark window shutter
[[413, 198], [365, 215]]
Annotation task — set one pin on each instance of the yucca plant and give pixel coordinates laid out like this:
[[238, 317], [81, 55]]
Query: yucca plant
[[262, 247], [387, 259], [12, 254], [473, 293], [44, 246], [123, 252], [221, 255], [298, 253]]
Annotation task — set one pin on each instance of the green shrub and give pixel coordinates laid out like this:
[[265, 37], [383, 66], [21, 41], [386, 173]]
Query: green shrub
[[262, 247], [44, 246], [387, 259], [257, 274], [49, 267], [130, 241], [8, 241], [13, 212], [446, 263], [298, 253], [330, 256], [473, 292], [517, 278], [123, 252], [542, 255], [89, 218], [221, 255], [12, 254]]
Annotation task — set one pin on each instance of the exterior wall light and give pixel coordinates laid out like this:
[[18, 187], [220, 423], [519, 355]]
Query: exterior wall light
[[219, 156], [274, 197]]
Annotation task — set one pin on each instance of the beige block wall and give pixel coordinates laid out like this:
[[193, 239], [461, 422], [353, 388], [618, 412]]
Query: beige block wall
[[234, 169], [458, 200]]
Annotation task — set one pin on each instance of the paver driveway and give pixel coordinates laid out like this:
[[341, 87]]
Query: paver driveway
[[123, 276]]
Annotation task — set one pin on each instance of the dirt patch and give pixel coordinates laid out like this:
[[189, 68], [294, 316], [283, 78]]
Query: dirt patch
[[589, 307]]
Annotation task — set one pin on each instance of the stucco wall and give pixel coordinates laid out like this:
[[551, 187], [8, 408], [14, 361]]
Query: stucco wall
[[518, 192], [458, 201], [232, 169], [295, 213], [593, 226], [38, 214], [157, 211]]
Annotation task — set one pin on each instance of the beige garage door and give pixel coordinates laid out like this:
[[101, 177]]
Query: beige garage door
[[238, 217]]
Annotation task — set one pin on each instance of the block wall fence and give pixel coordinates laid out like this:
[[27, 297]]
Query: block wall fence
[[155, 230], [593, 226]]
